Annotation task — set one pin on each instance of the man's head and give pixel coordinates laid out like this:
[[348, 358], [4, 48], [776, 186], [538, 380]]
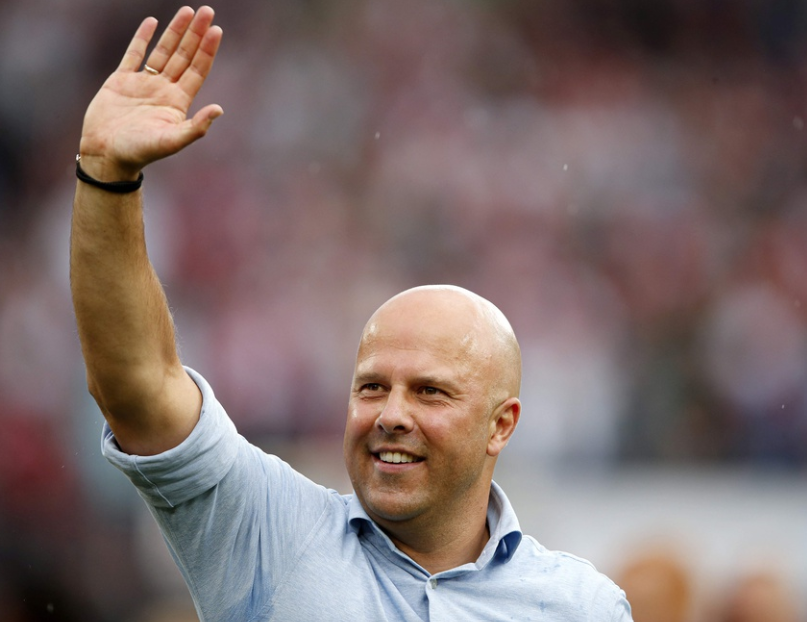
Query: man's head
[[433, 402]]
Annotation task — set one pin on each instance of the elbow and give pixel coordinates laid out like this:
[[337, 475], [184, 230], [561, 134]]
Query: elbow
[[123, 396], [94, 389], [112, 400]]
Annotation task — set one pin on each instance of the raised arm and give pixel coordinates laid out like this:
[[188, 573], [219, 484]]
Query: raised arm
[[124, 324]]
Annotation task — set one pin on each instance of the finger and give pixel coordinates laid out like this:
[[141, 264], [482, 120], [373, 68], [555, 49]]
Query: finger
[[169, 40], [203, 119], [137, 46], [193, 129], [181, 59], [193, 78]]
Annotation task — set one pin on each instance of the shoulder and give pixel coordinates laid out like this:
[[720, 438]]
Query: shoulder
[[565, 566], [570, 580], [535, 552]]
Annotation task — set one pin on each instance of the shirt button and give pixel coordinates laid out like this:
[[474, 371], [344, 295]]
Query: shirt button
[[433, 583]]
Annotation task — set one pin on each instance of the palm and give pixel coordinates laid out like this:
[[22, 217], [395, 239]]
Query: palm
[[138, 117]]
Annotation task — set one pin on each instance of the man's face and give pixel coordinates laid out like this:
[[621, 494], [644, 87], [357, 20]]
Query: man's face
[[418, 428]]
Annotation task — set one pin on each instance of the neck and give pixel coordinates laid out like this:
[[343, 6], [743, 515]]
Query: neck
[[441, 547]]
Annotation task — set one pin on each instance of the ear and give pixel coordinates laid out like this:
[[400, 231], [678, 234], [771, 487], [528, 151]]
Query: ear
[[503, 424]]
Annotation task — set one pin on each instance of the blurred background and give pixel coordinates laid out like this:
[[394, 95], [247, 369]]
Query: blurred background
[[626, 180]]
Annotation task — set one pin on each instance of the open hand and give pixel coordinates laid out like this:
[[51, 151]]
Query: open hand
[[140, 116]]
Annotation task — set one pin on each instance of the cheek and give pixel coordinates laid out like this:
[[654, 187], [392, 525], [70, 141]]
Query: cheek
[[464, 438], [355, 413], [352, 439], [359, 421]]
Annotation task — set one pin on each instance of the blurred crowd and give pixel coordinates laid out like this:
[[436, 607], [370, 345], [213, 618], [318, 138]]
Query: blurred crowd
[[662, 588], [626, 180]]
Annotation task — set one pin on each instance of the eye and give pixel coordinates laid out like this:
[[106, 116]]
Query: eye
[[371, 388], [429, 391]]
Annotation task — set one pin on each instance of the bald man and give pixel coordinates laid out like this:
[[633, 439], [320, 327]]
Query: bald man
[[427, 535], [434, 400]]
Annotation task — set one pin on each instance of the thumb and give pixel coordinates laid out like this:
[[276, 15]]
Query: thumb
[[202, 120]]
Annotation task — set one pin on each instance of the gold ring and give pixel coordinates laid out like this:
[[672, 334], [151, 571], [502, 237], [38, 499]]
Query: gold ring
[[151, 70]]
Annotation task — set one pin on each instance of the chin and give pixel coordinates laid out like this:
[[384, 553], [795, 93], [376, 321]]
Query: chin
[[390, 509]]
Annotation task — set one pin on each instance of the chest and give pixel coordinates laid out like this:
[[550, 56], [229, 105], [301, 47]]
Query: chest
[[357, 580]]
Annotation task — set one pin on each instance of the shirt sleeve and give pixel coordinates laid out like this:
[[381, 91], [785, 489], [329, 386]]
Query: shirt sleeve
[[622, 612], [234, 517], [187, 470]]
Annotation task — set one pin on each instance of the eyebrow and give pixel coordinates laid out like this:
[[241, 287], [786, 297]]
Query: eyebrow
[[436, 381], [365, 377], [424, 380]]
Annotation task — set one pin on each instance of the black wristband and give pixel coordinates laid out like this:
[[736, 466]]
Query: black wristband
[[118, 187]]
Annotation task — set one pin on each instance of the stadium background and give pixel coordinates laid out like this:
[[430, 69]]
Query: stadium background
[[625, 180]]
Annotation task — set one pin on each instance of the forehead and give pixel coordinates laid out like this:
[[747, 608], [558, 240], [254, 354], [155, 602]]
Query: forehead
[[437, 327]]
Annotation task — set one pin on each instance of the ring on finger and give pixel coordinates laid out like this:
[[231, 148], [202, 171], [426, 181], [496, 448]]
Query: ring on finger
[[151, 70]]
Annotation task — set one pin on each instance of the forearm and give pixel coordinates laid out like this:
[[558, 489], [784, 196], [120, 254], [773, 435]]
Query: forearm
[[124, 323]]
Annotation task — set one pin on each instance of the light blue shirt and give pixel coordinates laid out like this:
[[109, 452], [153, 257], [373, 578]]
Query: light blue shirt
[[256, 540]]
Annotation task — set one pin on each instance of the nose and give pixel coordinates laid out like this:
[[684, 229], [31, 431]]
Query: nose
[[395, 417]]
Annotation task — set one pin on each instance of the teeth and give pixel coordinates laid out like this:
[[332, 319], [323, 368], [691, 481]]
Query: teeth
[[395, 457]]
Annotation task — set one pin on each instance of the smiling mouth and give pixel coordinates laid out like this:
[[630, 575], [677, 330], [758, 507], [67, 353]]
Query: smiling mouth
[[396, 457]]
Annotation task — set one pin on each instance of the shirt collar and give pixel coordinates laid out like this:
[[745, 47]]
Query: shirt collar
[[505, 532]]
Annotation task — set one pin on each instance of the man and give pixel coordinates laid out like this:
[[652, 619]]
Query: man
[[427, 535]]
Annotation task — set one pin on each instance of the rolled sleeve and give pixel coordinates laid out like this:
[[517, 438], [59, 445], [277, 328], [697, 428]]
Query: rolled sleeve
[[191, 468]]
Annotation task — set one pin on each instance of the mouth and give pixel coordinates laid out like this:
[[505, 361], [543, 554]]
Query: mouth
[[396, 457]]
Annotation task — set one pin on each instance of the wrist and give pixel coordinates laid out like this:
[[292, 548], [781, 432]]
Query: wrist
[[104, 168], [121, 186]]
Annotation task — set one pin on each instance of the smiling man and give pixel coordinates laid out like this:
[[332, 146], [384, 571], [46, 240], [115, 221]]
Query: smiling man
[[434, 400], [427, 535]]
